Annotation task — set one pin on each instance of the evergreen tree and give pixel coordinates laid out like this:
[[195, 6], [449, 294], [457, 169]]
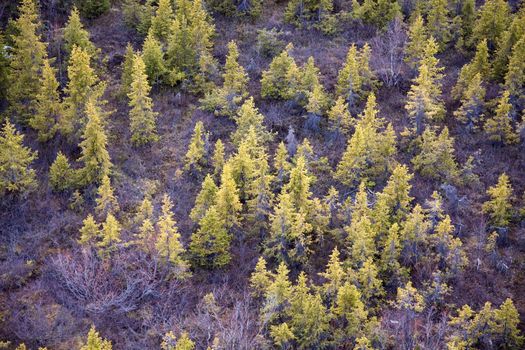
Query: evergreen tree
[[479, 65], [370, 150], [205, 199], [168, 244], [210, 245], [27, 57], [126, 77], [467, 18], [106, 201], [277, 295], [228, 203], [369, 283], [340, 118], [89, 232], [261, 197], [94, 340], [472, 104], [83, 85], [248, 116], [142, 118], [274, 82], [61, 176], [436, 159], [170, 342], [417, 40], [260, 278], [349, 311], [93, 8], [410, 302], [76, 35], [499, 207], [438, 21], [414, 236], [16, 174], [153, 59], [508, 39], [376, 12], [515, 77], [281, 163], [334, 274], [394, 201], [391, 270], [160, 24], [361, 237], [499, 127], [493, 19], [506, 324], [48, 109], [110, 236], [349, 80], [94, 155], [196, 155], [217, 158]]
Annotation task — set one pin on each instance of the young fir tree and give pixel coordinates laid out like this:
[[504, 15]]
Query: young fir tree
[[260, 278], [217, 159], [94, 152], [109, 237], [472, 105], [93, 8], [438, 21], [506, 324], [94, 341], [508, 39], [153, 59], [261, 197], [376, 12], [248, 116], [126, 76], [170, 342], [76, 35], [27, 57], [499, 206], [493, 18], [168, 244], [350, 313], [16, 174], [340, 118], [210, 244], [195, 157], [370, 150], [89, 232], [369, 283], [499, 126], [142, 118], [391, 271], [349, 80], [228, 203], [467, 19], [436, 158], [277, 295], [479, 64], [515, 77], [61, 176], [83, 85], [417, 40], [106, 201], [161, 23], [274, 82], [361, 237], [205, 199], [48, 109]]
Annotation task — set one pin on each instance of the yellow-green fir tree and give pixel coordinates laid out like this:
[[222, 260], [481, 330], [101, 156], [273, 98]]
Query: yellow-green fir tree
[[76, 35], [499, 206], [61, 176], [195, 157], [499, 126]]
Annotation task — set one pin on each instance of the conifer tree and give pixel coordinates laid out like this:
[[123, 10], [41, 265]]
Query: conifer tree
[[196, 155], [93, 8], [48, 109], [507, 320], [228, 203], [472, 104], [499, 207], [370, 150], [334, 274], [106, 200], [126, 77], [274, 82], [210, 245], [16, 174], [168, 244], [94, 155], [417, 40], [361, 238], [350, 312], [27, 58], [376, 12], [299, 185], [410, 302], [217, 158], [467, 18], [83, 85], [349, 79], [248, 116], [153, 59], [260, 278], [493, 19], [507, 41], [499, 126], [161, 23], [61, 176], [369, 283], [436, 159], [413, 235], [340, 118], [391, 270], [277, 295], [170, 342], [363, 343], [438, 21], [515, 77], [110, 236], [142, 118], [89, 232], [95, 341], [76, 35], [261, 197], [281, 334], [281, 163], [479, 64], [205, 199]]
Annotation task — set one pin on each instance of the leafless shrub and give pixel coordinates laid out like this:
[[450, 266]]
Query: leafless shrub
[[387, 49]]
